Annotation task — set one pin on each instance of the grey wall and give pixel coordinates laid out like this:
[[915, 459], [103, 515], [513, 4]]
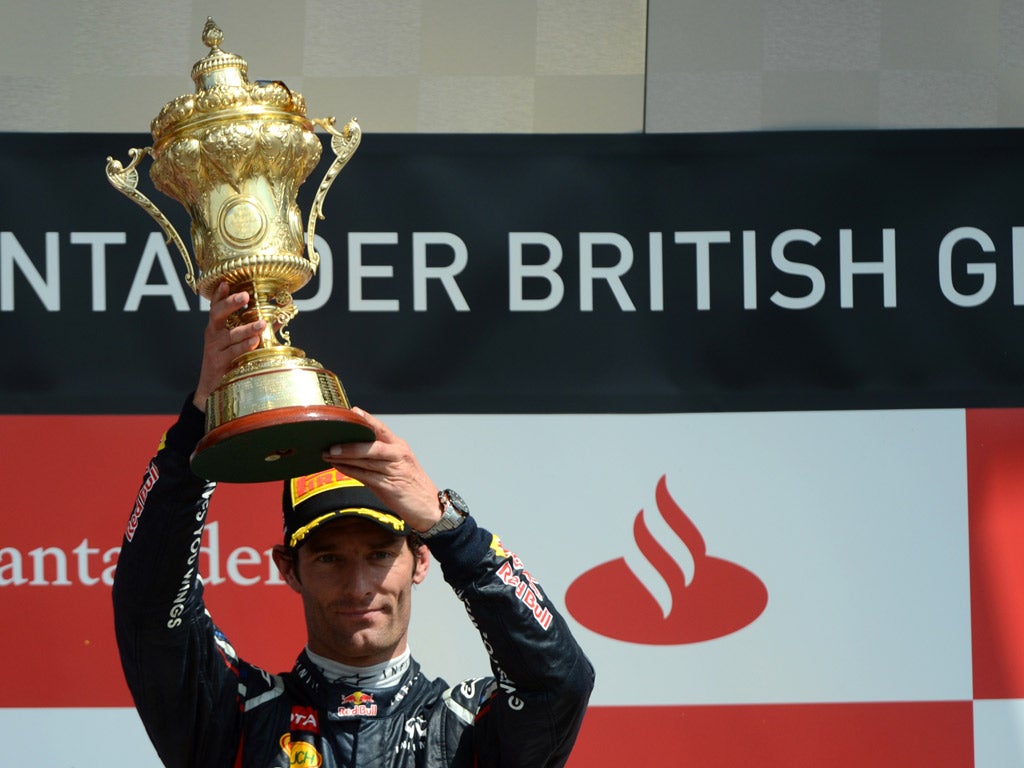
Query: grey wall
[[426, 66]]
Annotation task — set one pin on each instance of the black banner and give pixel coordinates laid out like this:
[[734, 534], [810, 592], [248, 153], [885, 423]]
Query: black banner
[[525, 273]]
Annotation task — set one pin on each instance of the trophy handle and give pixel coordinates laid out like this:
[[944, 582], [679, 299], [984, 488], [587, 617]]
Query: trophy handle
[[343, 144], [126, 180]]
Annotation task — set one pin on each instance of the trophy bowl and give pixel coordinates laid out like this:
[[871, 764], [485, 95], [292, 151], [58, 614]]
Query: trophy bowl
[[234, 153]]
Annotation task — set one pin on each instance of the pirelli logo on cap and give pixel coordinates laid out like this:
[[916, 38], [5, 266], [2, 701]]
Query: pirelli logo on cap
[[309, 486]]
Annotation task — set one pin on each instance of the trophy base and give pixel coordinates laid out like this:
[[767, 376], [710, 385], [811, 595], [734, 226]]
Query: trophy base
[[277, 444]]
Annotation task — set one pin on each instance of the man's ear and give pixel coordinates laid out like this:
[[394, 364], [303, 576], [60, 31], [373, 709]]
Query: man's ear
[[422, 555], [286, 560]]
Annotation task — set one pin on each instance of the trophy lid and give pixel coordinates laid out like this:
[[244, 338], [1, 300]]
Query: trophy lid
[[218, 67], [223, 93]]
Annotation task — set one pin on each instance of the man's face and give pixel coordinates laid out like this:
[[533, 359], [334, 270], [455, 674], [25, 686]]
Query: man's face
[[356, 581]]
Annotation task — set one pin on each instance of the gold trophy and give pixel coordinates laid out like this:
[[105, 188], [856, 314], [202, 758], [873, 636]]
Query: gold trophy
[[234, 153]]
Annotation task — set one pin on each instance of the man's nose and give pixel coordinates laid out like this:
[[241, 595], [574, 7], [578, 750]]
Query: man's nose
[[357, 579]]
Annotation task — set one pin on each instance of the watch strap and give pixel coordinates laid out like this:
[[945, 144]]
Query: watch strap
[[453, 512]]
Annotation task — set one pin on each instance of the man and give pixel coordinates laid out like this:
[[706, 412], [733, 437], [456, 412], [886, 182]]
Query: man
[[358, 536]]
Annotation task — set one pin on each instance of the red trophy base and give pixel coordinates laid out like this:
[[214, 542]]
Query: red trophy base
[[271, 418], [276, 445]]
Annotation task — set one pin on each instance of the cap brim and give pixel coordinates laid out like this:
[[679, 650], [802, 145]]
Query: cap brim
[[391, 523]]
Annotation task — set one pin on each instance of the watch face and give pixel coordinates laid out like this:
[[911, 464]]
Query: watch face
[[457, 501]]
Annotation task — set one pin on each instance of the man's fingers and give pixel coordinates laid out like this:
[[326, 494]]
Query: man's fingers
[[222, 339], [245, 337], [380, 429], [223, 308]]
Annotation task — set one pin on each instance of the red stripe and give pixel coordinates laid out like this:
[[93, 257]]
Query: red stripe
[[995, 483], [880, 735]]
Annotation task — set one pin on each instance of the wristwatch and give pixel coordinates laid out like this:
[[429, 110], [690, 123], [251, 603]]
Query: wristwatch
[[453, 511]]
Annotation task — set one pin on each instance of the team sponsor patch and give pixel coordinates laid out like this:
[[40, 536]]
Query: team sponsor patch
[[152, 475], [305, 719], [301, 752], [415, 735], [498, 550], [514, 574], [357, 704]]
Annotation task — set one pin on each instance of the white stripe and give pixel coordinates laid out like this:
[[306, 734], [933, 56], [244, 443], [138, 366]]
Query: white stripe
[[263, 698], [460, 711]]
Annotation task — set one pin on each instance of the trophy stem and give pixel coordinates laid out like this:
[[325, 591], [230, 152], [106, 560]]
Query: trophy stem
[[271, 304]]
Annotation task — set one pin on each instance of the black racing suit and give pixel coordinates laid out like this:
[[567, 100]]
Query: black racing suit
[[203, 706]]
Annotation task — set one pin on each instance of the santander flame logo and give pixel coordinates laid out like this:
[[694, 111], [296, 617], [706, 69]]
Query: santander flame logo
[[707, 597]]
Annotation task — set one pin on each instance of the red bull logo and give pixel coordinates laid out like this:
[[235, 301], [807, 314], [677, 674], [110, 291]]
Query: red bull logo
[[357, 704], [152, 475]]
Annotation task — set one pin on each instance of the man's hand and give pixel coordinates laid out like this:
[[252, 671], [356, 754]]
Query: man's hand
[[221, 344], [388, 467]]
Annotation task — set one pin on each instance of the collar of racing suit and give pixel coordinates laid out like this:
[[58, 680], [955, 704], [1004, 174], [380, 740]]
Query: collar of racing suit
[[387, 674]]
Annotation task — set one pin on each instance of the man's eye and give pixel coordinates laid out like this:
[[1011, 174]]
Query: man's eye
[[325, 558]]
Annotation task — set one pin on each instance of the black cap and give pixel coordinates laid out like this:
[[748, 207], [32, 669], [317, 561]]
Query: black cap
[[313, 500]]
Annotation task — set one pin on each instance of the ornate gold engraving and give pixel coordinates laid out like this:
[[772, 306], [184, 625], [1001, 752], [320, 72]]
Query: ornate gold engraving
[[234, 153]]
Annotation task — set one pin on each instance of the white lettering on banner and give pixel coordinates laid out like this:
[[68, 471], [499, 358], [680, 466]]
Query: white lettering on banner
[[848, 268], [749, 269], [155, 254], [1018, 266], [536, 261], [987, 270], [358, 272], [324, 279], [48, 566], [248, 558], [612, 275], [798, 269], [546, 271], [99, 241], [446, 275], [12, 254], [703, 241]]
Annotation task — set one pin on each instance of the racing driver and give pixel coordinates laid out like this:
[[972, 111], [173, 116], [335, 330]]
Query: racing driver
[[358, 536]]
